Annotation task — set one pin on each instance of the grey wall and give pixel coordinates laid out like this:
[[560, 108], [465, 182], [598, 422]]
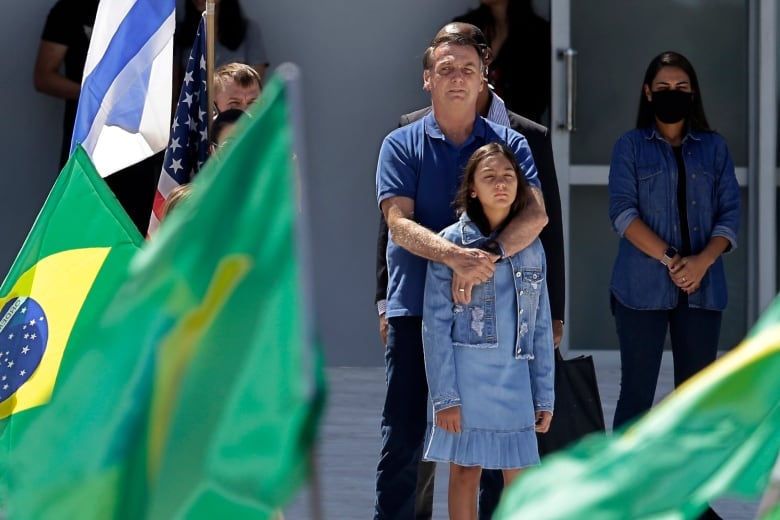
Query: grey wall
[[30, 135], [361, 68]]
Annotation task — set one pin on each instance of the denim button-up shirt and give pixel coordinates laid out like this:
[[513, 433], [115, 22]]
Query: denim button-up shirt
[[643, 184], [447, 325]]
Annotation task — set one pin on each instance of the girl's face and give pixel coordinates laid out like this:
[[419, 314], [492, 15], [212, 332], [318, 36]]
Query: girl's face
[[495, 184]]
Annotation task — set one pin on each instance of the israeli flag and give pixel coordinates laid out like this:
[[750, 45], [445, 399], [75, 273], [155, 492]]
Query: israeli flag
[[124, 108]]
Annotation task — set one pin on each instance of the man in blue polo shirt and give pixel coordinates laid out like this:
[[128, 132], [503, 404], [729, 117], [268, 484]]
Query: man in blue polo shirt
[[418, 173]]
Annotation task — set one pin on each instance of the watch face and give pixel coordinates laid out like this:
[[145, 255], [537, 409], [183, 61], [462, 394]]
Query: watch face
[[671, 253]]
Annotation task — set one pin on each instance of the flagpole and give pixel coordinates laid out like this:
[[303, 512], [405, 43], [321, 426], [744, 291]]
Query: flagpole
[[315, 488], [210, 9]]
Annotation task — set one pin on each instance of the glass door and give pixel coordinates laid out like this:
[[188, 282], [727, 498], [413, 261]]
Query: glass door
[[601, 49]]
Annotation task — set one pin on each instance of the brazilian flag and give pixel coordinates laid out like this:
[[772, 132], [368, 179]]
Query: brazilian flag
[[74, 258]]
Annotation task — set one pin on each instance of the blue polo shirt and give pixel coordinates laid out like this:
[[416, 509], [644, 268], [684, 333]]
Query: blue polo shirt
[[418, 162]]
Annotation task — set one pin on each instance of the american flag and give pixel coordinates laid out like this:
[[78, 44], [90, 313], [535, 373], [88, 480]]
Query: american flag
[[188, 146]]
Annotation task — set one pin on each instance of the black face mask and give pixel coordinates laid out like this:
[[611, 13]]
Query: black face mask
[[672, 106]]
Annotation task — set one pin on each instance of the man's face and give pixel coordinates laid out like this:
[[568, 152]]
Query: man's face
[[236, 96], [455, 77]]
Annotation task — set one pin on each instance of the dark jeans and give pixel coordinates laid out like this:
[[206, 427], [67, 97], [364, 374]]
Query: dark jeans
[[404, 420], [694, 334], [423, 502]]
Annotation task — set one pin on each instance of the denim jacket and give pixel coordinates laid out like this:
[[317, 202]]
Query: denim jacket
[[447, 325], [643, 184]]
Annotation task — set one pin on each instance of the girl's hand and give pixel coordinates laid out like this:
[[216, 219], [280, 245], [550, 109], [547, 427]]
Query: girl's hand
[[543, 419], [449, 419]]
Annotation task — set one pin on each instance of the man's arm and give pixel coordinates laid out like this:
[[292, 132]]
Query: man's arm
[[474, 266], [526, 226], [47, 77], [380, 298]]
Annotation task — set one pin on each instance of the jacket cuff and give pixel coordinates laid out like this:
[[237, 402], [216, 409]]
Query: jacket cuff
[[446, 401], [728, 234], [624, 219], [543, 407]]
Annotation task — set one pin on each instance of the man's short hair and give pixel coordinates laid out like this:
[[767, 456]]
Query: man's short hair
[[456, 39], [240, 73]]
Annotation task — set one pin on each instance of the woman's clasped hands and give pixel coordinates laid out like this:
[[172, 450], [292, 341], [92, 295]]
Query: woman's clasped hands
[[687, 272]]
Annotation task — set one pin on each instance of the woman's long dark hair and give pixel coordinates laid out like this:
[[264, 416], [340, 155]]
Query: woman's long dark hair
[[697, 120], [231, 25], [471, 205]]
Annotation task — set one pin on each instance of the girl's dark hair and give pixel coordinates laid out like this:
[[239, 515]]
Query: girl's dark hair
[[231, 25], [471, 205], [697, 120]]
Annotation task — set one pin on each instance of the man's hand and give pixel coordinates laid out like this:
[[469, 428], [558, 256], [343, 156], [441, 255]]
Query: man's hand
[[383, 328], [470, 267], [449, 419], [557, 326], [543, 420]]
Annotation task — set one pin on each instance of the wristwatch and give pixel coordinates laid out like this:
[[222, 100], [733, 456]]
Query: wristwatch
[[670, 253], [492, 246]]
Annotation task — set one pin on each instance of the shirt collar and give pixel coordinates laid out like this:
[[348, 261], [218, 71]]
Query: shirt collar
[[497, 112], [653, 133], [469, 231], [432, 127]]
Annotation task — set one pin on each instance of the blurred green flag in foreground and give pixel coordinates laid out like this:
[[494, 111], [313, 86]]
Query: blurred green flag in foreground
[[202, 387], [718, 434], [769, 509]]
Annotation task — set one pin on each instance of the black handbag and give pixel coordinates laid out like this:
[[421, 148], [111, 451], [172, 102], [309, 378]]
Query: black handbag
[[578, 409]]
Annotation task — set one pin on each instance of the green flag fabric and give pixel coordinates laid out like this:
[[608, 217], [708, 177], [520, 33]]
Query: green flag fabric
[[769, 509], [73, 260], [717, 435], [210, 380]]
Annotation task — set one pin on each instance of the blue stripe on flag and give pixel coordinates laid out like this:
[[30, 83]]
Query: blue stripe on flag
[[125, 113], [141, 22]]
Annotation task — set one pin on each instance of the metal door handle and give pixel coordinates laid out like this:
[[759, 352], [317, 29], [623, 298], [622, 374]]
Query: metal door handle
[[569, 57]]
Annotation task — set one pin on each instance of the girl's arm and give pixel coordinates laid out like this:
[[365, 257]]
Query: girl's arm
[[437, 337]]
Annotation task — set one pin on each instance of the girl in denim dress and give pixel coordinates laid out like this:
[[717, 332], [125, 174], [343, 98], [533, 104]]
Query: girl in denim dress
[[489, 363]]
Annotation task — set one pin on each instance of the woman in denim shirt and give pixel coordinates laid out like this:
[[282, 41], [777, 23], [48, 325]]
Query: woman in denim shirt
[[489, 363], [674, 201]]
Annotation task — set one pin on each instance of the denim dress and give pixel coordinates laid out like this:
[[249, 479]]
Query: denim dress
[[493, 357]]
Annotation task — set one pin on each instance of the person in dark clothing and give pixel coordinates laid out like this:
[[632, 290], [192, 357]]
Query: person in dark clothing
[[520, 67], [62, 53]]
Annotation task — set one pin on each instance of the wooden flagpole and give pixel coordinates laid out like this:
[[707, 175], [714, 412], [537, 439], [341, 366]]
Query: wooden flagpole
[[210, 8]]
